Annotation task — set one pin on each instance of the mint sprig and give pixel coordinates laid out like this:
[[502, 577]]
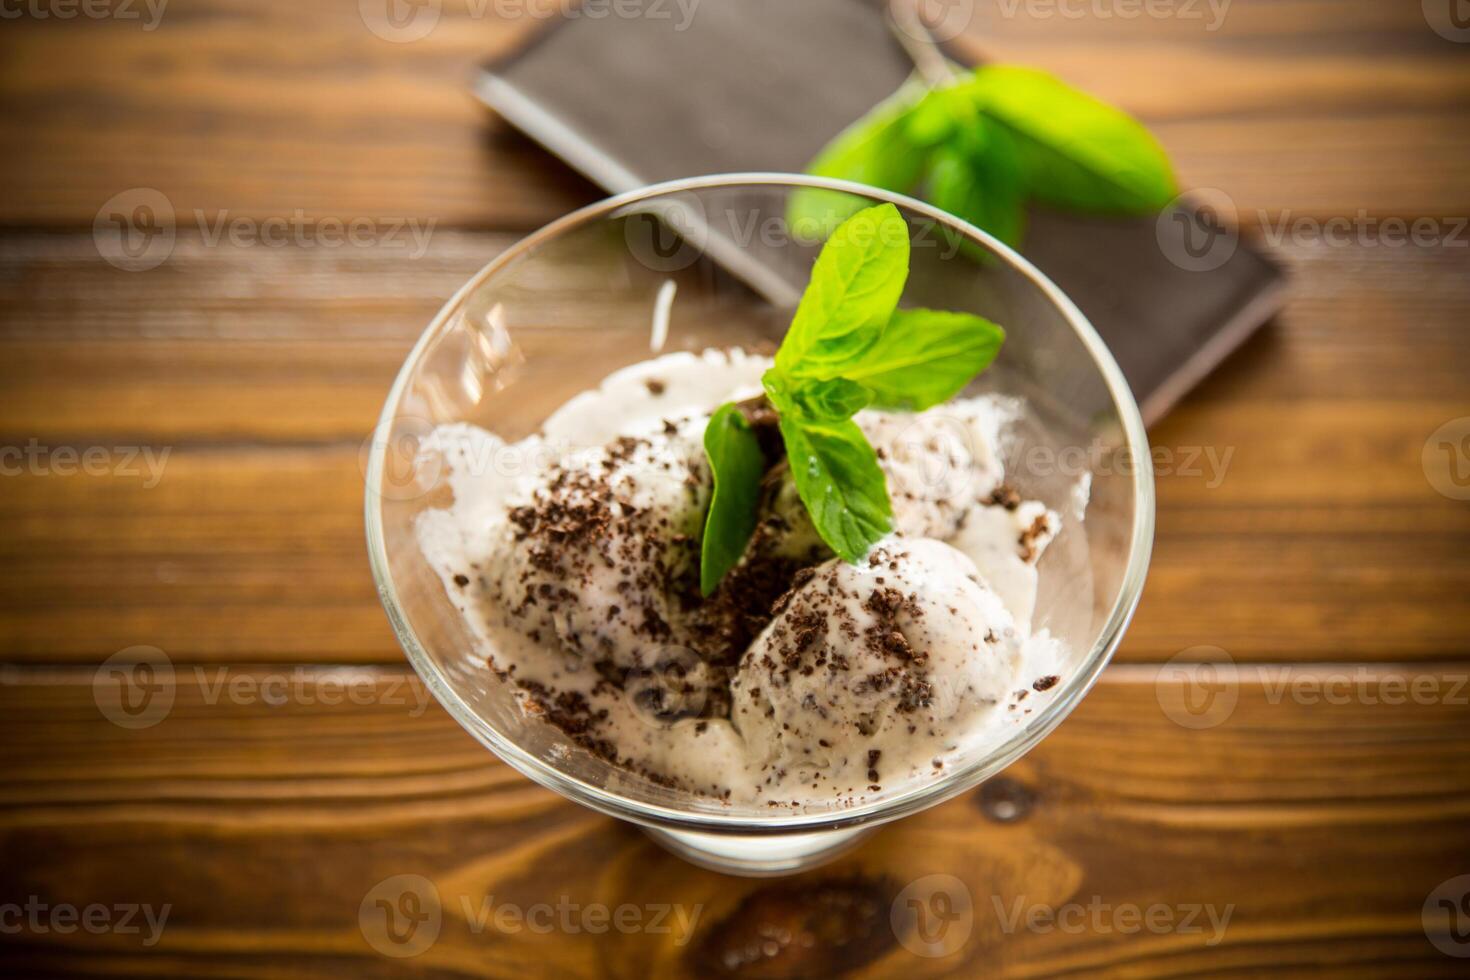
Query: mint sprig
[[736, 463], [837, 476], [854, 289], [986, 145], [848, 347]]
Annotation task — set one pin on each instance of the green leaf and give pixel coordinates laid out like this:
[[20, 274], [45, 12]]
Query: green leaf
[[981, 183], [833, 400], [736, 461], [940, 115], [838, 478], [854, 289], [926, 357], [875, 150], [1076, 152]]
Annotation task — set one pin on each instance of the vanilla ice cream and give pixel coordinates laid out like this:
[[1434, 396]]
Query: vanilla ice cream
[[802, 679]]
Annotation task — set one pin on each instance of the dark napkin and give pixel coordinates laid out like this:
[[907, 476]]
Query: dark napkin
[[692, 87]]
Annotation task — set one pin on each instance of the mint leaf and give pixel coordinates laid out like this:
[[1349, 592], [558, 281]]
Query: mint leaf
[[1075, 151], [833, 400], [980, 181], [926, 357], [838, 478], [875, 150], [736, 461], [939, 116], [855, 286]]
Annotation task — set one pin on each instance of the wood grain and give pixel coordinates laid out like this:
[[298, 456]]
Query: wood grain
[[264, 810], [232, 811], [1294, 521], [278, 107]]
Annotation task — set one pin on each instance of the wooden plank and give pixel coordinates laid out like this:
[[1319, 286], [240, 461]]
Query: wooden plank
[[1295, 519], [1366, 125], [275, 107], [1323, 829], [301, 343], [256, 554]]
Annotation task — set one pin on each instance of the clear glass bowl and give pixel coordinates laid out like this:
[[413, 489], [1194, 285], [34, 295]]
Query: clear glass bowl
[[556, 313]]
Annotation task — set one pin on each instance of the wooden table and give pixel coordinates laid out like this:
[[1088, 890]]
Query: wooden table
[[1322, 812]]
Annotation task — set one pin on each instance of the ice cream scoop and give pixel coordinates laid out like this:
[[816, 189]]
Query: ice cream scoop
[[873, 670]]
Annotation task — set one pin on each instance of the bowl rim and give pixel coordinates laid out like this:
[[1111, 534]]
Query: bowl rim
[[905, 802]]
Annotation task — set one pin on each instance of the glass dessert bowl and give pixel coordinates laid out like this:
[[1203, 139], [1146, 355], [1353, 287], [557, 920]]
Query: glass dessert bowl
[[714, 264]]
